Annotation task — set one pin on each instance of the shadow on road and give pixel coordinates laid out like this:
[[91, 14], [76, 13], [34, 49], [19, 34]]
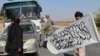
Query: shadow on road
[[32, 54], [68, 55]]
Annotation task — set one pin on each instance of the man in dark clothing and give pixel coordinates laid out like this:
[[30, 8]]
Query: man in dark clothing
[[14, 45], [79, 51]]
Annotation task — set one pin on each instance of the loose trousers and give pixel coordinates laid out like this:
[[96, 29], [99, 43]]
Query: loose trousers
[[14, 52]]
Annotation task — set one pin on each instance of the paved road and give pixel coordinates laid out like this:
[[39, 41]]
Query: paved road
[[91, 50], [45, 52]]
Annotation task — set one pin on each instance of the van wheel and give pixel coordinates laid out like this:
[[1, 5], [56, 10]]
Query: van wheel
[[31, 54], [35, 54]]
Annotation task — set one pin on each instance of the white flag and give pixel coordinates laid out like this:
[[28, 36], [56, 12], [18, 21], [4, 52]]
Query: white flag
[[80, 33]]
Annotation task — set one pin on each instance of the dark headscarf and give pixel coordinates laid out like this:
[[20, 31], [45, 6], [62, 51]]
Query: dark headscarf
[[16, 20], [78, 13]]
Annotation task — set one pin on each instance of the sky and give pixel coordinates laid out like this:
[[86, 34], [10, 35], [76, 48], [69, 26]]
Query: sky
[[65, 9]]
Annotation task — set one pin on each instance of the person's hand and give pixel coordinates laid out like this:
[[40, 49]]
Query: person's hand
[[19, 50]]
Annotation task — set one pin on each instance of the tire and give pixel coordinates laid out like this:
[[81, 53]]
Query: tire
[[31, 54]]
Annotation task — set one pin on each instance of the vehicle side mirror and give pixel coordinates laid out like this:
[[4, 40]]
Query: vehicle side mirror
[[0, 34], [1, 12], [39, 9]]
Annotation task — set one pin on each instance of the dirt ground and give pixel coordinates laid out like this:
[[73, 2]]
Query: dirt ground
[[56, 23]]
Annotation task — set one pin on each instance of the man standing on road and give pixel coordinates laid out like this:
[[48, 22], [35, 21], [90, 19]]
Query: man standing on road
[[79, 51], [48, 29], [42, 36], [14, 45]]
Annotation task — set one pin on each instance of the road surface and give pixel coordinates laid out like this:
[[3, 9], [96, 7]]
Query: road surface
[[91, 50]]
